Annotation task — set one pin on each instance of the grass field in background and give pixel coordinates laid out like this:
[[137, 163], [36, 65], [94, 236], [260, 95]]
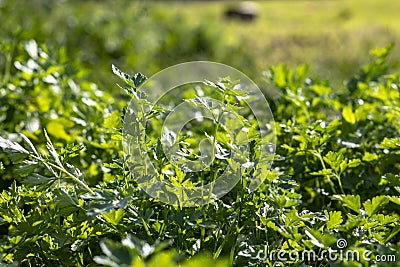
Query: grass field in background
[[333, 37]]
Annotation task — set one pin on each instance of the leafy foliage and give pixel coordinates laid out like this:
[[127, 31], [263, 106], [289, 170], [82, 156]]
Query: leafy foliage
[[68, 199]]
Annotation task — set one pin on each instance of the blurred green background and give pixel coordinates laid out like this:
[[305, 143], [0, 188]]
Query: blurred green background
[[332, 37]]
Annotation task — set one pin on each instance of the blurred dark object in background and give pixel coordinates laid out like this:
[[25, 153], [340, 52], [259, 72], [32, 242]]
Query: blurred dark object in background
[[245, 11]]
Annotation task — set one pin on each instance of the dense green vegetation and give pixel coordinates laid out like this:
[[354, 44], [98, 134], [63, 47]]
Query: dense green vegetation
[[68, 199]]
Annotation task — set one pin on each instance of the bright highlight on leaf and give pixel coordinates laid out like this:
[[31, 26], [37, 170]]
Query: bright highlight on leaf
[[348, 115]]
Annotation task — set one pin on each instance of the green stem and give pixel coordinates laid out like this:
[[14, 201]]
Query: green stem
[[8, 63], [76, 179], [337, 176], [324, 167]]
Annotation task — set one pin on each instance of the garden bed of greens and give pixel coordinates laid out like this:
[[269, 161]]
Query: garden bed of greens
[[68, 199]]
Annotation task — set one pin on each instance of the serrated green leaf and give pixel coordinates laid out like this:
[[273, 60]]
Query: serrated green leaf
[[350, 201], [334, 159], [334, 219], [10, 145], [134, 81], [37, 179], [114, 216], [292, 218], [354, 163], [17, 157], [372, 206], [26, 168], [394, 199]]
